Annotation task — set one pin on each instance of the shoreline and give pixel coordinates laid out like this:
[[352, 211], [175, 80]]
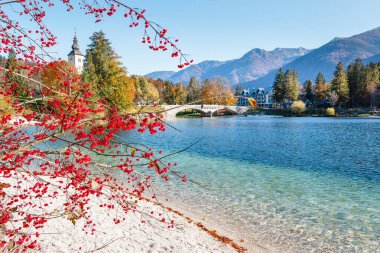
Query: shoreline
[[146, 228]]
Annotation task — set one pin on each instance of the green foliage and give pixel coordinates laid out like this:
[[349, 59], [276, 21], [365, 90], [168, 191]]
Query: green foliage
[[291, 85], [18, 83], [169, 97], [339, 84], [279, 87], [330, 112], [309, 90], [106, 74], [146, 92], [193, 90], [356, 74]]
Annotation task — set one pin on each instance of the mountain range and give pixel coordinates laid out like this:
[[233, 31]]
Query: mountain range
[[258, 67]]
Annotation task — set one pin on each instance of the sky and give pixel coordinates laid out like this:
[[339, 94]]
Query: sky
[[218, 29]]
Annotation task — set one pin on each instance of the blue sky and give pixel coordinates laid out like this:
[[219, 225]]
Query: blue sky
[[220, 29]]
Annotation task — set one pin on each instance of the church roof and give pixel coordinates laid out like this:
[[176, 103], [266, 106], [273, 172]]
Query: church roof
[[75, 47]]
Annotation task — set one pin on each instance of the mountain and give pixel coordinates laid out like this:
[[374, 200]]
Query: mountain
[[324, 59], [197, 70], [160, 74], [375, 58], [253, 65]]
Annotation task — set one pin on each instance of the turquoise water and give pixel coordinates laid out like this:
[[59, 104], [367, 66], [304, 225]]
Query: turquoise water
[[302, 184]]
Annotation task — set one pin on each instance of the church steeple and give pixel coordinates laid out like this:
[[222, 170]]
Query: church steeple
[[76, 57]]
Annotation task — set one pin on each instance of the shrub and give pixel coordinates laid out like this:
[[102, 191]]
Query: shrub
[[298, 107], [330, 112]]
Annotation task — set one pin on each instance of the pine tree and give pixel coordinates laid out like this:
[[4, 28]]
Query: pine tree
[[279, 87], [372, 81], [321, 90], [293, 91], [356, 75], [106, 74], [309, 90], [339, 84]]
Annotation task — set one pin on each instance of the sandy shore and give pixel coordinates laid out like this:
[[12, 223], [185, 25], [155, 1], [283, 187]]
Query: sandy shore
[[142, 230], [131, 235]]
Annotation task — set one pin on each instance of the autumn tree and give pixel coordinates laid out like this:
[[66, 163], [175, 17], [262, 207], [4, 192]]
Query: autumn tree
[[321, 88], [216, 91], [291, 85], [146, 92], [180, 94], [55, 75], [106, 74], [57, 149]]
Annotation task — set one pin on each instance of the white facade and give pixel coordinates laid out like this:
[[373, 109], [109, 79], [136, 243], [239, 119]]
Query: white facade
[[75, 57]]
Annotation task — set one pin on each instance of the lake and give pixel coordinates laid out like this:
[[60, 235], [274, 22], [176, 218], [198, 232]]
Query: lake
[[301, 184]]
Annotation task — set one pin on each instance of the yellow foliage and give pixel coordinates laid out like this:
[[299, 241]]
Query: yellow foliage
[[56, 73], [330, 112], [5, 106], [216, 92], [252, 102], [298, 107], [231, 100]]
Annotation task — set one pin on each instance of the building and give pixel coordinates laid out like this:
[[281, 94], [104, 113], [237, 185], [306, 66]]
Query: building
[[75, 57], [264, 99]]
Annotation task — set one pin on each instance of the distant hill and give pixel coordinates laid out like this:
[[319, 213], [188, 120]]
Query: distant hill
[[164, 75], [258, 67], [253, 65], [324, 59]]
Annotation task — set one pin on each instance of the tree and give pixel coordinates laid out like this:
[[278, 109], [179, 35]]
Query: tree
[[180, 94], [321, 88], [291, 84], [147, 93], [339, 84], [169, 96], [193, 90], [279, 87], [217, 92], [356, 75], [309, 90], [372, 81], [14, 81], [61, 156], [55, 74], [106, 74]]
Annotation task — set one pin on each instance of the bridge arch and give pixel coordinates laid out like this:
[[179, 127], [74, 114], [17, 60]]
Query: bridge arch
[[205, 110], [225, 111]]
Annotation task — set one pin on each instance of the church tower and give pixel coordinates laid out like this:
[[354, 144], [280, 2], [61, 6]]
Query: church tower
[[76, 57]]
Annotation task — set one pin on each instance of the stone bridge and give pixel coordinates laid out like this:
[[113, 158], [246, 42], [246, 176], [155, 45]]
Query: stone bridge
[[205, 110]]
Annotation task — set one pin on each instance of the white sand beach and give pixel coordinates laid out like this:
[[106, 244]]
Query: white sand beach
[[142, 230]]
